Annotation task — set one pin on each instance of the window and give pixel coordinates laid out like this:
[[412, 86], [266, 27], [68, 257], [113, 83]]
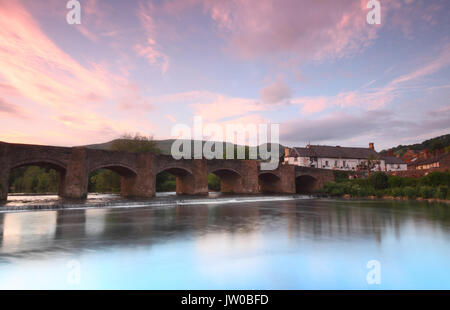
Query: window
[[335, 163], [343, 163], [326, 163]]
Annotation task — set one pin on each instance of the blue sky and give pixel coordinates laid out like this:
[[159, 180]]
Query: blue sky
[[315, 67]]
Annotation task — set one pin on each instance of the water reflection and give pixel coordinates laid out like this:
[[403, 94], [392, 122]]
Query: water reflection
[[283, 244]]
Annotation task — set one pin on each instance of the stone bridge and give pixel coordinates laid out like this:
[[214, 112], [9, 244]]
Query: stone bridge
[[138, 171]]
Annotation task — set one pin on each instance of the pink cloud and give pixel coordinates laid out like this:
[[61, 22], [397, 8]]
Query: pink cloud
[[63, 95], [11, 110], [150, 49], [317, 29], [222, 107], [275, 92]]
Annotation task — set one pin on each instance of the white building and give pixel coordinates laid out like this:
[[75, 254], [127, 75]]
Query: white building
[[340, 158], [393, 163]]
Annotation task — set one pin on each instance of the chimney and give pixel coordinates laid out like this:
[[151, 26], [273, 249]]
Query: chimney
[[371, 146], [286, 152]]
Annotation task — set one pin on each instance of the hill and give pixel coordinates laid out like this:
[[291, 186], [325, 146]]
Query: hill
[[430, 145], [165, 146]]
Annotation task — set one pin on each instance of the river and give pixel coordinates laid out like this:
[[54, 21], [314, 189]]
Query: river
[[226, 243]]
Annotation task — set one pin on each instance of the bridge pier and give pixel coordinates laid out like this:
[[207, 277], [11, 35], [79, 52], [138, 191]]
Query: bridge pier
[[4, 172], [195, 183], [74, 182], [143, 184]]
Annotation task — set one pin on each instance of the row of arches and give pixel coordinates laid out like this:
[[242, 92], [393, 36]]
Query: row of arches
[[45, 176]]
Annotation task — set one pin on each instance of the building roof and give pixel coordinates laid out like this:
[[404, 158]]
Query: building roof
[[393, 160], [333, 152], [302, 152]]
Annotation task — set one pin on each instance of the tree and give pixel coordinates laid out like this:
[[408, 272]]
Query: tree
[[379, 180], [135, 144], [437, 146], [369, 164]]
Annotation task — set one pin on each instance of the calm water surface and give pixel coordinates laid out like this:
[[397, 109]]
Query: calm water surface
[[292, 244]]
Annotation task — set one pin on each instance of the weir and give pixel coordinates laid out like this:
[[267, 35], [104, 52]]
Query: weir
[[138, 171]]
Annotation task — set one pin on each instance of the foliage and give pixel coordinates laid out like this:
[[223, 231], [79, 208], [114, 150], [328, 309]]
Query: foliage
[[165, 182], [340, 176], [433, 185], [213, 182], [436, 178], [397, 192], [33, 179], [135, 144], [410, 192], [104, 181], [426, 191], [369, 164], [379, 180], [441, 141]]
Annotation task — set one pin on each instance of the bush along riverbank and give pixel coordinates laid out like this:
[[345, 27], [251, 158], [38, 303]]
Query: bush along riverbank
[[434, 186]]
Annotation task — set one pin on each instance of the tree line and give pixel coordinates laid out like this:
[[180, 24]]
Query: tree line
[[433, 185]]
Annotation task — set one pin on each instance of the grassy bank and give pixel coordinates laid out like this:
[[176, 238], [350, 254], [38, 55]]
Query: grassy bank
[[435, 185]]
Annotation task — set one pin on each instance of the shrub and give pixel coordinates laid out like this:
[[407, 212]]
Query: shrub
[[362, 182], [333, 188], [413, 182], [410, 192], [426, 192], [441, 192], [397, 192], [380, 193], [395, 181], [355, 190], [337, 190], [340, 176], [379, 180], [436, 178]]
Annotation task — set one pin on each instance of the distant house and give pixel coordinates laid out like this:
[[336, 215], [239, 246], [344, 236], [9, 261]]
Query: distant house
[[412, 155], [340, 158], [393, 163], [433, 162]]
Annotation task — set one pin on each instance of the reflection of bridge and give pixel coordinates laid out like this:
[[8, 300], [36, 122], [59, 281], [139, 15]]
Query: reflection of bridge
[[139, 171]]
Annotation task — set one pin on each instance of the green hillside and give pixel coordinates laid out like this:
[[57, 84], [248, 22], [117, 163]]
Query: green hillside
[[165, 146], [433, 144]]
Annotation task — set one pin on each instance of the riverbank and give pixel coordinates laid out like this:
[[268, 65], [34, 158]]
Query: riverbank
[[433, 187], [401, 198]]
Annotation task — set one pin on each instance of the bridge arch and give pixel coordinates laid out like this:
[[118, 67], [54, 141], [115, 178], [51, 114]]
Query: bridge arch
[[230, 179], [269, 182], [306, 184], [48, 163], [184, 178], [122, 174], [119, 168], [40, 162]]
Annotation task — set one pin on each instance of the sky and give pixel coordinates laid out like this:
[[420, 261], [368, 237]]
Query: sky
[[316, 68]]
